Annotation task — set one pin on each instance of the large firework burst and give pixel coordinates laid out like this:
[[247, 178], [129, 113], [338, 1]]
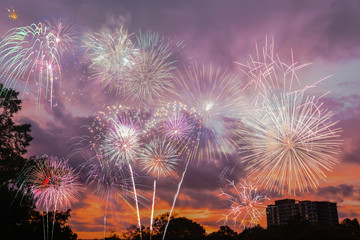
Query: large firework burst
[[122, 135], [110, 55], [214, 96], [290, 142], [29, 57], [246, 203], [151, 75]]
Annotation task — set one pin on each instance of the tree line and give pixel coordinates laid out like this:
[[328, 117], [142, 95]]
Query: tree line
[[182, 228]]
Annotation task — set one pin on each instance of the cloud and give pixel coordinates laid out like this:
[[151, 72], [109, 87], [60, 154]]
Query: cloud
[[348, 214], [353, 156], [338, 193]]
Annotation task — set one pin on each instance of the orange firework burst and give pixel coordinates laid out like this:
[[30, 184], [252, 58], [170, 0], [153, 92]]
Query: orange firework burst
[[12, 14]]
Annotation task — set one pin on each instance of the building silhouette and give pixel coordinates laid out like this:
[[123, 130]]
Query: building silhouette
[[317, 213]]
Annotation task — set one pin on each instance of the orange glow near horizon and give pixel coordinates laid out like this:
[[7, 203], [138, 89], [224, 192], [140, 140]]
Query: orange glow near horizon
[[87, 220]]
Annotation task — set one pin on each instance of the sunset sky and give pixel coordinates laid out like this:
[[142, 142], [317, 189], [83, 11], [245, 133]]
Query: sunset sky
[[324, 33]]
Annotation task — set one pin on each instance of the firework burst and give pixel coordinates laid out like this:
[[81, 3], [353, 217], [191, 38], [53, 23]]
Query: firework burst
[[110, 55], [53, 183], [173, 121], [290, 141], [122, 135], [246, 203], [215, 98], [159, 157], [151, 75], [67, 35], [12, 14], [267, 74], [30, 53], [118, 133]]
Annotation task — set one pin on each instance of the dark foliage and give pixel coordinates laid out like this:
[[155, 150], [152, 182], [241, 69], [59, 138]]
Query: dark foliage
[[297, 229], [18, 217], [13, 138], [224, 233]]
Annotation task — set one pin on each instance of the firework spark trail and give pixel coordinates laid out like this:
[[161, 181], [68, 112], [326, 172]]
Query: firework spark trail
[[160, 158], [108, 180], [290, 141], [175, 197], [152, 210], [245, 203], [136, 198], [105, 215], [215, 96], [30, 53], [267, 74]]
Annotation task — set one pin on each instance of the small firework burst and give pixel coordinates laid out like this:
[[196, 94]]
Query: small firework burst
[[110, 55], [12, 14], [53, 183], [67, 35], [246, 203], [290, 143], [159, 157], [173, 121], [151, 75]]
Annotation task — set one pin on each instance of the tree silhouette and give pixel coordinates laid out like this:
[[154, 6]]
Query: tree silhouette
[[18, 217], [179, 228], [13, 138], [224, 233], [351, 226]]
